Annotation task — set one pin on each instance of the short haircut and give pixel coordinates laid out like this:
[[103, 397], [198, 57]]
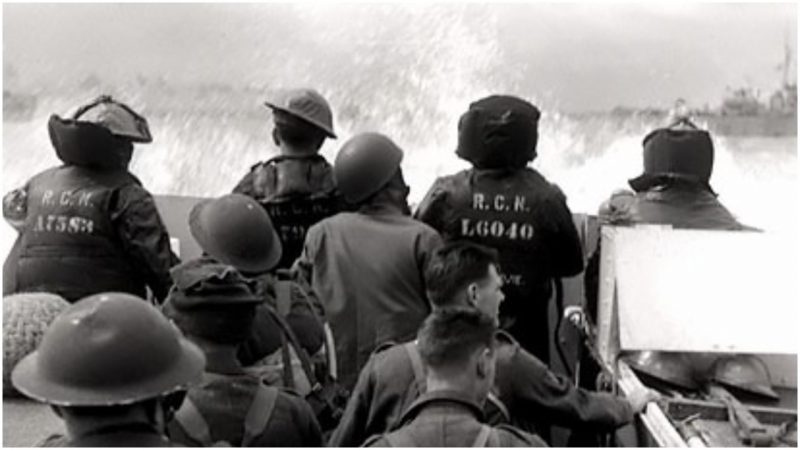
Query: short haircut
[[296, 131], [453, 267], [450, 336]]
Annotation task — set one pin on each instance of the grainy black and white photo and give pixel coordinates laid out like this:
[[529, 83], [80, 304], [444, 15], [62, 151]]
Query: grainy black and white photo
[[400, 224]]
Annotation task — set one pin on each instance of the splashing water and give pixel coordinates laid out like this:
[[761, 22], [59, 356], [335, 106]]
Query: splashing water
[[409, 78]]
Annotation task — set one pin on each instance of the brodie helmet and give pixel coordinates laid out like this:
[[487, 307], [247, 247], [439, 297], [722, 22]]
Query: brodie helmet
[[109, 349], [365, 164]]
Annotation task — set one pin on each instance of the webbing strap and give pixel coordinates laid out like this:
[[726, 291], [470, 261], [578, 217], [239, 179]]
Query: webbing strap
[[259, 413], [193, 423], [483, 436], [416, 364], [493, 399]]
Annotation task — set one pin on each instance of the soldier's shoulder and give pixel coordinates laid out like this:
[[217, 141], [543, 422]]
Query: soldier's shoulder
[[511, 436]]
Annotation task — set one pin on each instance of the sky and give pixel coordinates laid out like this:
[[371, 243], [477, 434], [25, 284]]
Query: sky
[[572, 56]]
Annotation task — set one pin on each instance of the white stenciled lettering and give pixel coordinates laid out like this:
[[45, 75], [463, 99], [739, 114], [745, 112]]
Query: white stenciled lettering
[[64, 200], [519, 204], [512, 279], [63, 224], [497, 229], [83, 199], [478, 201], [500, 203], [47, 197], [526, 231]]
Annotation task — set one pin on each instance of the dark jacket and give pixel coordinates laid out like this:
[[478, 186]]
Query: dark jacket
[[88, 231], [224, 402], [297, 192], [367, 270], [130, 435], [533, 396], [449, 419], [526, 218]]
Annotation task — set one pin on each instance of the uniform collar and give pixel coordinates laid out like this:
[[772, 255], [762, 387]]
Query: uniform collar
[[134, 434], [450, 397]]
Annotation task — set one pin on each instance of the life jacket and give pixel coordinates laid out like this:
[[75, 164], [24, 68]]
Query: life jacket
[[297, 192], [69, 245]]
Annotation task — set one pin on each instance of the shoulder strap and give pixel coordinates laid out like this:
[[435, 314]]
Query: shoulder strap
[[483, 436], [416, 364], [193, 423], [259, 413], [283, 297], [493, 399], [305, 362]]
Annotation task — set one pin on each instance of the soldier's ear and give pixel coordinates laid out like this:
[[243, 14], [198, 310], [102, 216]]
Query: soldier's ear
[[276, 136], [472, 294], [485, 363]]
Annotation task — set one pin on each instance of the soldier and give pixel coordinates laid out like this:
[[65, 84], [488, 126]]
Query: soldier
[[525, 392], [457, 353], [214, 306], [296, 187], [503, 204], [89, 226], [366, 266], [673, 190], [235, 230], [114, 369]]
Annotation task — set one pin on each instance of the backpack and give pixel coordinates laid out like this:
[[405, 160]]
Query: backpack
[[258, 415]]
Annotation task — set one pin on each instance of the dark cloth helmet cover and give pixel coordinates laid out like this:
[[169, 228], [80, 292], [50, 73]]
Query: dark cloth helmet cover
[[109, 349], [235, 229], [684, 154], [99, 134], [212, 301], [498, 132], [366, 163]]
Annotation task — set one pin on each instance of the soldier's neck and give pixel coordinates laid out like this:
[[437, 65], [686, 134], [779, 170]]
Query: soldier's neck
[[454, 382], [220, 358], [293, 150]]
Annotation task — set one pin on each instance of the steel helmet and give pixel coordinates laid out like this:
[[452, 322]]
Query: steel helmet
[[365, 164], [307, 104], [25, 319], [675, 152], [746, 373], [236, 230], [109, 349], [673, 368]]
